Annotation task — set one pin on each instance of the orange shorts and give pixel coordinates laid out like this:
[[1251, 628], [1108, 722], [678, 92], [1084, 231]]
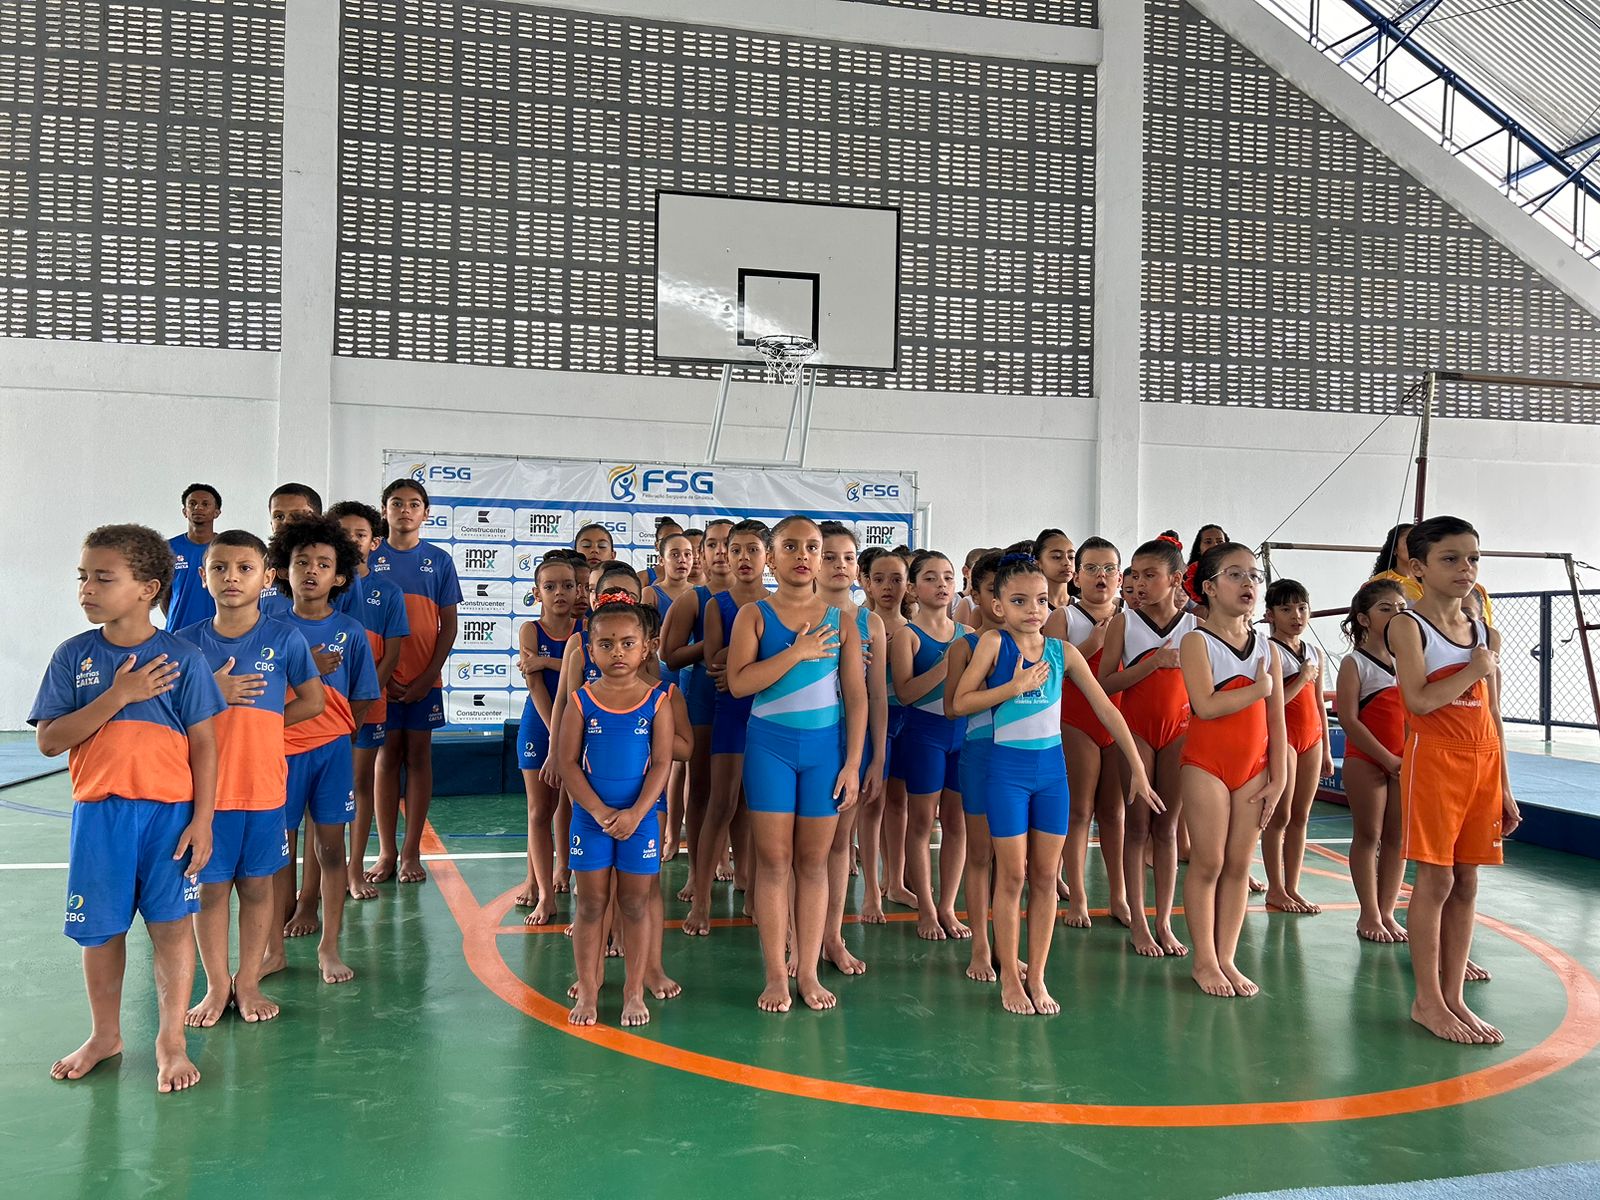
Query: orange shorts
[[1451, 801]]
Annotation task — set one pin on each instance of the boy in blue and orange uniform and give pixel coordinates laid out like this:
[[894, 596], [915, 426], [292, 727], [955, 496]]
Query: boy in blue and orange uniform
[[134, 706], [188, 601], [1455, 791], [255, 661], [427, 576], [288, 502], [317, 560], [380, 606]]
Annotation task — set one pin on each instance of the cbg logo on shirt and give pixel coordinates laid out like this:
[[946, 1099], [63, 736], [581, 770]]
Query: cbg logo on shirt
[[75, 910], [264, 662]]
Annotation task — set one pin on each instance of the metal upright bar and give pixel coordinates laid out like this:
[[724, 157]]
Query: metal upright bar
[[1430, 390], [1584, 629], [719, 413]]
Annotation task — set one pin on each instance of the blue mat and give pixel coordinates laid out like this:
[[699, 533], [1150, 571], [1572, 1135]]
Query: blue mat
[[1560, 783], [1570, 1181], [21, 761]]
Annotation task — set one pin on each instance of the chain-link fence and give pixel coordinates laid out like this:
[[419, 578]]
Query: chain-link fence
[[1544, 680]]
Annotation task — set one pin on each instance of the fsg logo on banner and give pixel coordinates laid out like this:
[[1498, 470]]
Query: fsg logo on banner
[[629, 482]]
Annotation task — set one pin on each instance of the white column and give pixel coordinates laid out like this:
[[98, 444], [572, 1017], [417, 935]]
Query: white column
[[310, 211], [1119, 232]]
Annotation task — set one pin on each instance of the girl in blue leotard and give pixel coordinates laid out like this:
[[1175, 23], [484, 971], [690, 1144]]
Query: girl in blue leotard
[[542, 644], [675, 555], [799, 662], [615, 750], [885, 821], [929, 748], [1016, 673], [839, 572], [683, 646], [747, 563]]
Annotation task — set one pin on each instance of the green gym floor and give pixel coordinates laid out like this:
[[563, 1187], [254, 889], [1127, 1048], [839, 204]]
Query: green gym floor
[[447, 1066]]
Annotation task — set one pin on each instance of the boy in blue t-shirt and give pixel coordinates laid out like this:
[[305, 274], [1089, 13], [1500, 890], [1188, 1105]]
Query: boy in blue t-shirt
[[427, 576], [255, 660], [188, 601], [316, 560], [380, 606], [289, 502], [134, 706]]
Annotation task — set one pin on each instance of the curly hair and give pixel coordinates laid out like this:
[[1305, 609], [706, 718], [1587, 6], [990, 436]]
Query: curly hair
[[313, 531], [146, 551]]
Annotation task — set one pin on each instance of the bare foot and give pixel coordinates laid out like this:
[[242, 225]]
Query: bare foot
[[411, 871], [669, 851], [1397, 931], [613, 948], [1121, 913], [816, 996], [359, 888], [901, 896], [382, 870], [697, 923], [572, 991], [1014, 996], [1488, 1035], [1305, 905], [544, 913], [839, 955], [561, 884], [662, 987], [634, 1011], [528, 894], [1373, 930], [1043, 1001], [210, 1009], [303, 922], [1212, 981], [747, 910], [953, 927], [253, 1006], [1243, 985], [1476, 974], [1256, 885], [686, 892], [1170, 945], [1444, 1024], [333, 968], [929, 929], [1143, 943], [1077, 915], [271, 963], [774, 998], [724, 873], [85, 1058], [174, 1071], [584, 1012], [1283, 902], [855, 868], [1063, 889], [981, 968], [872, 910]]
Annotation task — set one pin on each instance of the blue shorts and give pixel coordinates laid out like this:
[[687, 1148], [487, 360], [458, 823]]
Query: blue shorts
[[928, 754], [792, 770], [322, 780], [427, 713], [1027, 790], [897, 726], [700, 694], [533, 739], [246, 845], [120, 862], [370, 736], [974, 776], [731, 724], [593, 849]]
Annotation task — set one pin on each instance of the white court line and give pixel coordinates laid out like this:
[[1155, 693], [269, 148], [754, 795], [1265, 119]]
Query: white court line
[[61, 866]]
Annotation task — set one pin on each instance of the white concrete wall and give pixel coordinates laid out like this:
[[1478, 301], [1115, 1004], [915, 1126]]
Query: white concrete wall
[[92, 434]]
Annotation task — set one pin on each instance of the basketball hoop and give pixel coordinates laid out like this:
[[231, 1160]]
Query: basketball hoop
[[786, 355]]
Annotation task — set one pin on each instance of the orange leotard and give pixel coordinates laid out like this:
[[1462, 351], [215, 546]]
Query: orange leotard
[[1232, 748], [1075, 710], [1302, 716], [1157, 707], [1379, 705]]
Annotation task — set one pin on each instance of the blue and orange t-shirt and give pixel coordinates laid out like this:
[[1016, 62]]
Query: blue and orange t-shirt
[[427, 577], [142, 753], [380, 606], [353, 680], [251, 768], [190, 602]]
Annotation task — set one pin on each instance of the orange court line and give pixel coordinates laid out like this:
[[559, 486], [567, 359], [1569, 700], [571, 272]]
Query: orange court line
[[1575, 1037]]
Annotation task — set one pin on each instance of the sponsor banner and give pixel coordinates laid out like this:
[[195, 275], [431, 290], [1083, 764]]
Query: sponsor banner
[[467, 708], [498, 516], [481, 671]]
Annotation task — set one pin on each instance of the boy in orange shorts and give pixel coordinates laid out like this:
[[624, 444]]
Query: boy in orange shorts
[[1455, 792]]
